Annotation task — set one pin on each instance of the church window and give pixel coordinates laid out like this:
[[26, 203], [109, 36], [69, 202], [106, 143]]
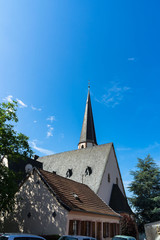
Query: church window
[[117, 180], [69, 173], [88, 171], [109, 178]]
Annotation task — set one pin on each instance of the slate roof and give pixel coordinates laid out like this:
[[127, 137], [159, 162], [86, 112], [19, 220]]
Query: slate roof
[[88, 130], [78, 160], [118, 202], [75, 196]]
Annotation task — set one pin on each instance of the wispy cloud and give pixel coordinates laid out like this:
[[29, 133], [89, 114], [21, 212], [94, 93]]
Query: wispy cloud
[[22, 104], [35, 121], [131, 59], [51, 118], [114, 95], [41, 150], [50, 131], [36, 109], [9, 98]]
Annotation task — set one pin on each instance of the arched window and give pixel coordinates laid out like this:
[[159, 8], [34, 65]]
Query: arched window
[[69, 173], [88, 171]]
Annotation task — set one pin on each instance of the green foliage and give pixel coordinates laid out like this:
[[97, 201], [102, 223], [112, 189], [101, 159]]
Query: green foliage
[[13, 145], [146, 192], [8, 187], [128, 226]]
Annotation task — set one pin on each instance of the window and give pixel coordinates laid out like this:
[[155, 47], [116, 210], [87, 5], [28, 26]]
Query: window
[[117, 180], [88, 171], [85, 228], [105, 230], [109, 178], [73, 227], [112, 229], [69, 173]]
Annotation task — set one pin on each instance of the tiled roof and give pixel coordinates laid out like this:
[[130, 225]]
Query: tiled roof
[[120, 206], [75, 196]]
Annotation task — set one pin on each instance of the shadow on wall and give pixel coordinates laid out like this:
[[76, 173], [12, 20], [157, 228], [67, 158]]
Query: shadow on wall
[[37, 211]]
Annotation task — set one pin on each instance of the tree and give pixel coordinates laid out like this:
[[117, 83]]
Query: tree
[[128, 226], [13, 145], [146, 192]]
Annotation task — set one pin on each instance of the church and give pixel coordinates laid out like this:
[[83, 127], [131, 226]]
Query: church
[[92, 164], [79, 192]]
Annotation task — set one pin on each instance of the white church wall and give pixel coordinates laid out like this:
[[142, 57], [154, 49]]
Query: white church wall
[[111, 170], [38, 211]]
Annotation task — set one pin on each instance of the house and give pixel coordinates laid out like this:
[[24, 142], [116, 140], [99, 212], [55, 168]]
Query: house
[[92, 164], [49, 204]]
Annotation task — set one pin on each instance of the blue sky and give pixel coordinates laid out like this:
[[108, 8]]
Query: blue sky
[[50, 49]]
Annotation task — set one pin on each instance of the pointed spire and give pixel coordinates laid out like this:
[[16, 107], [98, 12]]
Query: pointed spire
[[88, 136]]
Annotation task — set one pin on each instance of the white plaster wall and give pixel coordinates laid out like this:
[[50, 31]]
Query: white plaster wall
[[152, 231], [105, 188], [35, 198]]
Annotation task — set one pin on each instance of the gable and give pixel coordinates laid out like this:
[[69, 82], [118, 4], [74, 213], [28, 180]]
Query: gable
[[111, 176], [37, 210], [77, 161], [75, 196]]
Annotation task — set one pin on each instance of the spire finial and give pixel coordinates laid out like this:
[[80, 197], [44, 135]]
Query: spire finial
[[88, 84]]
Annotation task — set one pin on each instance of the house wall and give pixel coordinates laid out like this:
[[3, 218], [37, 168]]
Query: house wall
[[35, 210], [96, 224], [105, 188]]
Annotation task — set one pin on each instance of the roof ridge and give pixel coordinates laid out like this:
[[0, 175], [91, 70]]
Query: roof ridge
[[82, 149]]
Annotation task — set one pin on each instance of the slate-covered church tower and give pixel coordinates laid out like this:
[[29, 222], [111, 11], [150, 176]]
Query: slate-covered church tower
[[88, 135]]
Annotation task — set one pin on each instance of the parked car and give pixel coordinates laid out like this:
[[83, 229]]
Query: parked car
[[76, 237], [122, 237], [20, 236]]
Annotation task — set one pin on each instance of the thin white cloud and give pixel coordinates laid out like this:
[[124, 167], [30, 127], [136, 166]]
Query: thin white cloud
[[131, 59], [50, 131], [35, 121], [22, 104], [36, 109], [114, 95], [41, 150], [8, 98], [51, 118]]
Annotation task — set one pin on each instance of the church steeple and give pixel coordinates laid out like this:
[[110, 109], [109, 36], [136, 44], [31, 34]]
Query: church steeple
[[88, 135]]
